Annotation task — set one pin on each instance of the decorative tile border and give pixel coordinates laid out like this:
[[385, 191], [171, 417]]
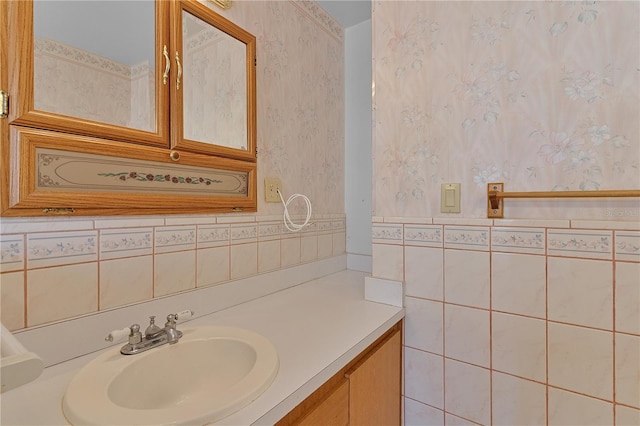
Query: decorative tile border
[[244, 233], [338, 225], [213, 235], [471, 238], [269, 230], [310, 229], [175, 238], [61, 248], [518, 240], [423, 235], [387, 234], [11, 253], [323, 226], [126, 242], [584, 244], [627, 246]]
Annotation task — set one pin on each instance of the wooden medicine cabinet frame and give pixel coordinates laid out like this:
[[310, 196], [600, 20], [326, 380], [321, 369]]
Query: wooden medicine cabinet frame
[[132, 172]]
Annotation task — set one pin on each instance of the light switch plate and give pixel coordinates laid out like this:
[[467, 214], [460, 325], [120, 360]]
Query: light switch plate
[[450, 198]]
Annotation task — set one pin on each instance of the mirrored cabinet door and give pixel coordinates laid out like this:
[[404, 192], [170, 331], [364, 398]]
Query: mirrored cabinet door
[[93, 68], [214, 108]]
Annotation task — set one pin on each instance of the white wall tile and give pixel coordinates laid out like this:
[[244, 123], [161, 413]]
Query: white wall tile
[[467, 278], [325, 245], [418, 414], [519, 346], [570, 409], [467, 335], [61, 292], [174, 272], [423, 377], [468, 391], [290, 251], [451, 420], [244, 260], [213, 266], [339, 242], [626, 416], [12, 299], [388, 262], [519, 283], [423, 325], [581, 360], [517, 401], [268, 255], [628, 369], [308, 247], [628, 297], [580, 292], [424, 271], [124, 281]]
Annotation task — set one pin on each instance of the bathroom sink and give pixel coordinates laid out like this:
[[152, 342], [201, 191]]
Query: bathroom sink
[[209, 374]]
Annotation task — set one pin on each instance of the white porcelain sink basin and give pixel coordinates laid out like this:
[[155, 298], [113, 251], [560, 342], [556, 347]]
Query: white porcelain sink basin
[[209, 374]]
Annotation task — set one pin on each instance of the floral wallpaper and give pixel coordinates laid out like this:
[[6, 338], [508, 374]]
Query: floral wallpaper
[[539, 95], [300, 79]]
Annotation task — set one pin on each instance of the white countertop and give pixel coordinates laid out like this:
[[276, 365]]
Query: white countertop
[[317, 328]]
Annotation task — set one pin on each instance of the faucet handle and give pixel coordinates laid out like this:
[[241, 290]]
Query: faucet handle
[[135, 336], [184, 315], [171, 320], [118, 335]]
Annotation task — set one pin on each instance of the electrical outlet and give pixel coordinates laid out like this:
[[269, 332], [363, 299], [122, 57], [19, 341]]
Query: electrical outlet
[[271, 186]]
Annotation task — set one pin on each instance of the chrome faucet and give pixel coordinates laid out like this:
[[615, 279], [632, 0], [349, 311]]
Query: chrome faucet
[[154, 336]]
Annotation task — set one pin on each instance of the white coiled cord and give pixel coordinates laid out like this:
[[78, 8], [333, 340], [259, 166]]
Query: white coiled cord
[[291, 226]]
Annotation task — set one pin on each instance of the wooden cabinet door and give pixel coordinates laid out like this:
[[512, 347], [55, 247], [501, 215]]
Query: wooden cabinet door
[[332, 411], [374, 385]]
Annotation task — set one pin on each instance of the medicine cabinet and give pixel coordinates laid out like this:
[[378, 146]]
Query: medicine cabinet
[[136, 107]]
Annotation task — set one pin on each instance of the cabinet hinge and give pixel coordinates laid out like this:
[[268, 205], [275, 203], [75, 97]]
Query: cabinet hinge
[[255, 61], [4, 108], [58, 210]]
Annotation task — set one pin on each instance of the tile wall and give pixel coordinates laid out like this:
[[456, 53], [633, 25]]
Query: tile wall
[[55, 270], [512, 322]]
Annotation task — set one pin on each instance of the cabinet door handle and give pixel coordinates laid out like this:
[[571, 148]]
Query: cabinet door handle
[[167, 65], [179, 71]]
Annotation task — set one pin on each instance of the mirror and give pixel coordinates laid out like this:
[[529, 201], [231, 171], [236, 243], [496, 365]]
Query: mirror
[[215, 85], [190, 86], [95, 60]]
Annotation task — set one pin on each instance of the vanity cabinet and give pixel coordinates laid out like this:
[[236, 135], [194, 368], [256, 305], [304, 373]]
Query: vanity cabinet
[[365, 392], [125, 108]]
